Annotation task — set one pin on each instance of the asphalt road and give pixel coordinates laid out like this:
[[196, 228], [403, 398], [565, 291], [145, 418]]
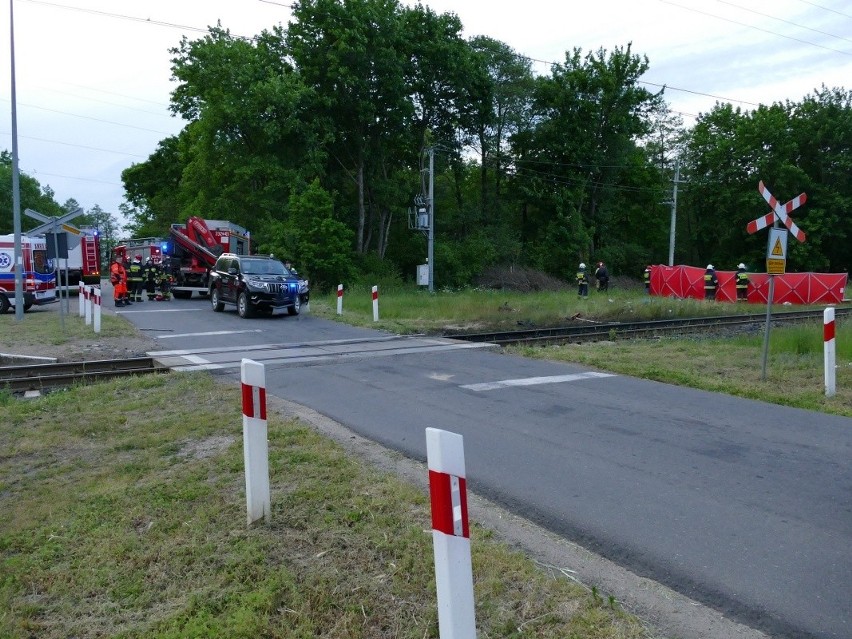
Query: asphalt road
[[741, 505]]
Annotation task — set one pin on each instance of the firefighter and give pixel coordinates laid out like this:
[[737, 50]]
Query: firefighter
[[711, 283], [136, 278], [118, 279], [164, 285], [646, 276], [742, 283], [151, 277], [602, 276], [582, 282]]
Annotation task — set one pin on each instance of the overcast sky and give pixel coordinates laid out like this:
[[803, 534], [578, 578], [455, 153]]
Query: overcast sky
[[93, 76]]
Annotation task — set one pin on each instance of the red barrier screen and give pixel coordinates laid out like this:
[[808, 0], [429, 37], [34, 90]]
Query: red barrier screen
[[794, 288]]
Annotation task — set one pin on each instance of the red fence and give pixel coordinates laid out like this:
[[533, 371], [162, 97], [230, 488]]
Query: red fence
[[794, 288]]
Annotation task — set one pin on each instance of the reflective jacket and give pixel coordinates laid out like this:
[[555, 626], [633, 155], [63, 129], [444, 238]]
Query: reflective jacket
[[710, 280], [742, 279]]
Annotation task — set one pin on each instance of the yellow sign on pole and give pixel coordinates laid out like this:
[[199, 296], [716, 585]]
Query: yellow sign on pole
[[776, 252]]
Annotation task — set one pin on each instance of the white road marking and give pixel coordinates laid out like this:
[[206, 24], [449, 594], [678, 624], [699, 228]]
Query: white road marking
[[533, 381], [254, 330], [159, 310]]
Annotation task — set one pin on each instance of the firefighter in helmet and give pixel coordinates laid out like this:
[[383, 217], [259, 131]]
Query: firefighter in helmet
[[136, 278], [150, 273], [164, 283], [711, 283], [646, 277], [582, 281], [742, 283]]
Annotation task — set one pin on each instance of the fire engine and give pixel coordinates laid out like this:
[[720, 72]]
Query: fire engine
[[192, 249], [39, 279], [84, 261]]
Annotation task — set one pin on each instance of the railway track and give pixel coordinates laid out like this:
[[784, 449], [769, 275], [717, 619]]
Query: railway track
[[41, 377], [598, 331]]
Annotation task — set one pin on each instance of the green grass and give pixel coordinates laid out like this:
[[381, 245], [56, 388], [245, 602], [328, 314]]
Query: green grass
[[124, 516]]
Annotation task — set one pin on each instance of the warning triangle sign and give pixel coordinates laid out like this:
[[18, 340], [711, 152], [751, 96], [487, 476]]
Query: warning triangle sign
[[778, 250]]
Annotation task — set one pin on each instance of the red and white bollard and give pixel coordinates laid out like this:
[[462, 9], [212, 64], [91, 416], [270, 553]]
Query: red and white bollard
[[97, 309], [829, 351], [340, 299], [255, 445], [375, 303], [89, 299], [81, 297], [450, 534]]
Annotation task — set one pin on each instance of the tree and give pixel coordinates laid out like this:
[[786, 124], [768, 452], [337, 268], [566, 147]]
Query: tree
[[32, 196], [574, 164]]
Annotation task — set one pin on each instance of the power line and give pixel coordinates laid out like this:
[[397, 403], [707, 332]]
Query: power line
[[819, 6], [87, 117], [79, 146], [750, 26], [766, 15]]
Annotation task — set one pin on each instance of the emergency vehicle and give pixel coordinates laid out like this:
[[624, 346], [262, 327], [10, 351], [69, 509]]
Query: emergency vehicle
[[193, 248], [84, 261], [39, 278]]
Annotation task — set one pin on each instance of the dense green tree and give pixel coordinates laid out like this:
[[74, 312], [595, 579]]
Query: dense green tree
[[792, 148], [574, 165], [32, 196]]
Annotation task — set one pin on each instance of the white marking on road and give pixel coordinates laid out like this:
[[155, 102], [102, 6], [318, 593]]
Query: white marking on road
[[253, 330], [533, 381], [195, 359], [441, 377], [159, 310]]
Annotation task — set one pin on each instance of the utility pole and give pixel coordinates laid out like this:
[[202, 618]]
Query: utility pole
[[431, 203], [674, 213], [16, 184]]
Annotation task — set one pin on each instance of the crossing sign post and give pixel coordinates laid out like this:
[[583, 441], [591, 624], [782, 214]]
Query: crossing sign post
[[776, 251]]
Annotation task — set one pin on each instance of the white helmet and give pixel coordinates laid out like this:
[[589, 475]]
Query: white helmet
[[709, 267], [582, 265], [741, 265]]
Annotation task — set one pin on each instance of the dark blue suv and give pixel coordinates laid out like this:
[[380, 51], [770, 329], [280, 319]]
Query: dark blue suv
[[256, 283]]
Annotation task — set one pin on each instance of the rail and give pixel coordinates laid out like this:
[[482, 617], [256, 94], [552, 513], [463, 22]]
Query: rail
[[38, 377], [598, 331]]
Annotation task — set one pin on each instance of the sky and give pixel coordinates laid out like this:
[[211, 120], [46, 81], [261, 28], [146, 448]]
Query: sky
[[93, 78]]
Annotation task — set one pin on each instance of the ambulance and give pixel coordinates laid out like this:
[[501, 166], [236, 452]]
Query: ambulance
[[39, 278]]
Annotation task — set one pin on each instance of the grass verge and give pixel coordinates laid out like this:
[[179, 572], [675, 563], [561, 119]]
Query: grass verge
[[124, 516]]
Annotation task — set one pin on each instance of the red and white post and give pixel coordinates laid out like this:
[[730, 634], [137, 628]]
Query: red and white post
[[450, 534], [81, 297], [829, 351], [340, 299], [97, 309], [255, 445], [89, 298], [375, 303]]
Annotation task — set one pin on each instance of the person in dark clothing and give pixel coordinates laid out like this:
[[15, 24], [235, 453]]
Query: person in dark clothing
[[150, 275], [582, 281], [136, 279], [711, 283], [602, 276], [742, 283]]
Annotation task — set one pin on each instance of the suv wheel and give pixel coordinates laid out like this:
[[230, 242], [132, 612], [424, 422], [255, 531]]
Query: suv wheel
[[218, 305], [244, 308], [297, 305]]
